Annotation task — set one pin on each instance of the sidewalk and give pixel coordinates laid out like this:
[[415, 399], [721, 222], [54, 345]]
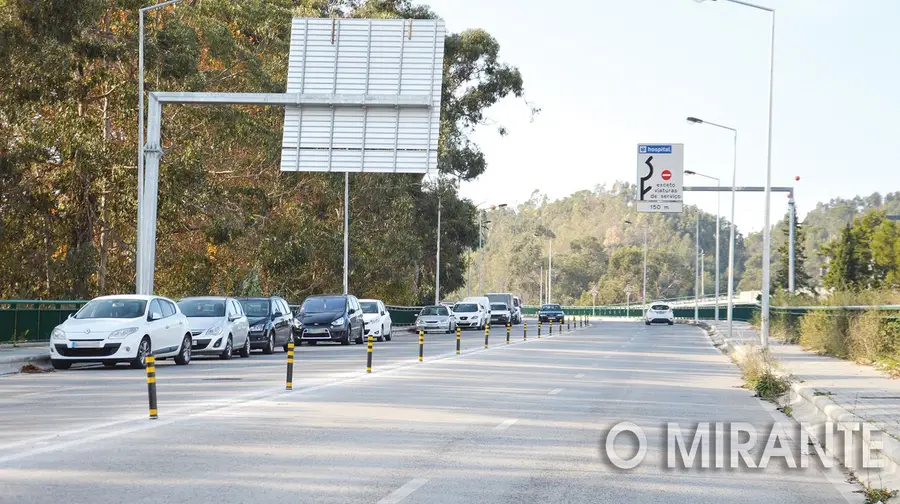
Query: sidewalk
[[13, 358], [833, 388]]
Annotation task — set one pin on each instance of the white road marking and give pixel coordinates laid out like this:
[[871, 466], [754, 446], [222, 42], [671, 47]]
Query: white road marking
[[579, 375], [555, 391], [403, 492], [506, 424]]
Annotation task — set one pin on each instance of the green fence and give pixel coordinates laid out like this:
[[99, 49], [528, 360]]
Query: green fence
[[23, 321]]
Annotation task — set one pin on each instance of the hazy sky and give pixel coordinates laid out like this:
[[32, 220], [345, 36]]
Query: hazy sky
[[609, 74]]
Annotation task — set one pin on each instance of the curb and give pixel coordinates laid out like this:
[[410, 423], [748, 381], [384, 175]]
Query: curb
[[13, 363], [823, 409]]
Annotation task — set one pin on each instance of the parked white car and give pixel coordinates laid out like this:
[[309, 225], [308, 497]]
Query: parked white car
[[377, 319], [218, 326], [660, 312], [114, 329]]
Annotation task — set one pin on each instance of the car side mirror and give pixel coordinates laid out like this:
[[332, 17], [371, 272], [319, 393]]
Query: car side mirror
[[277, 314], [382, 313], [154, 316], [71, 315]]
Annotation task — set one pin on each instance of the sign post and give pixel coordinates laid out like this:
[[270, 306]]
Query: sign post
[[660, 178], [594, 293]]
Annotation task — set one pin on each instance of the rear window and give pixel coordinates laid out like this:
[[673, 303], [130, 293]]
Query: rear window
[[659, 307]]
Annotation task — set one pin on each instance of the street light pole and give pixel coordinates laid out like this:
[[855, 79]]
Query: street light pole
[[437, 266], [766, 267], [718, 213], [697, 270], [550, 270]]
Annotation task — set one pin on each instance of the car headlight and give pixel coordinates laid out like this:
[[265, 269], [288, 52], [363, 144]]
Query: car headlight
[[257, 327], [338, 322], [123, 333], [58, 334], [216, 329], [296, 324]]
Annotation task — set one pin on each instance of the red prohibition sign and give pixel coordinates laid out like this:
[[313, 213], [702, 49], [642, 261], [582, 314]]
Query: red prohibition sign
[[666, 175]]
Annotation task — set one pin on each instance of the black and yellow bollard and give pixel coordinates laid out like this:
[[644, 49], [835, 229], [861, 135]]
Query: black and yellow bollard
[[369, 354], [539, 328], [508, 329], [487, 332], [421, 344], [525, 332], [458, 339], [151, 385], [289, 381], [568, 324], [560, 325], [550, 325]]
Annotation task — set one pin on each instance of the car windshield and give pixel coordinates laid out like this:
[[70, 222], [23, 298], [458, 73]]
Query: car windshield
[[551, 307], [256, 307], [659, 307], [465, 307], [324, 304], [435, 310], [202, 307], [498, 306], [112, 309], [369, 306]]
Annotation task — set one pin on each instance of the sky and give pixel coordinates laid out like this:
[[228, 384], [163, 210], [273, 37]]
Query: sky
[[609, 74]]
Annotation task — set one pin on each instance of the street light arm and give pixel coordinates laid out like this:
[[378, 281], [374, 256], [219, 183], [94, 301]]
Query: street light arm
[[755, 6], [159, 5]]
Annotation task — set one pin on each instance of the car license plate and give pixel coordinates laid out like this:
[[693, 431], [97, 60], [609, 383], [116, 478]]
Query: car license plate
[[316, 330], [85, 344]]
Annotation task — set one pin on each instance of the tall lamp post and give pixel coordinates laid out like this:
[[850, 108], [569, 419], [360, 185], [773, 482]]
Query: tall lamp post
[[731, 231], [140, 163], [764, 316], [718, 213]]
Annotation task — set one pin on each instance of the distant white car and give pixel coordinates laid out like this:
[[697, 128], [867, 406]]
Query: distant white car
[[127, 328], [436, 318], [500, 314], [659, 312], [469, 315], [218, 326], [377, 319]]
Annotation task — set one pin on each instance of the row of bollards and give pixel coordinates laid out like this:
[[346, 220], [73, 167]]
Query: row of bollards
[[576, 322]]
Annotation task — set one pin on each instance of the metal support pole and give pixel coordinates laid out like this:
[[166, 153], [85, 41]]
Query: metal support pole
[[718, 227], [140, 165], [731, 232], [702, 273], [480, 251], [437, 266], [550, 273], [151, 386], [541, 296], [644, 294], [791, 246], [289, 379], [346, 232], [697, 270], [369, 354]]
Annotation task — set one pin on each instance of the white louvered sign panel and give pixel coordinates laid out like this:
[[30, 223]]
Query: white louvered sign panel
[[393, 67]]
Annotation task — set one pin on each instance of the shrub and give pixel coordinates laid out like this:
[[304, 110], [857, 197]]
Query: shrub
[[824, 332], [866, 337]]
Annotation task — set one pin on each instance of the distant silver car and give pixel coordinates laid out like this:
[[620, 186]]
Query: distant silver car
[[659, 312], [436, 318]]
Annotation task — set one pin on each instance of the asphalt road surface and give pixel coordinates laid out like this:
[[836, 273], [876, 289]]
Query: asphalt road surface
[[518, 423]]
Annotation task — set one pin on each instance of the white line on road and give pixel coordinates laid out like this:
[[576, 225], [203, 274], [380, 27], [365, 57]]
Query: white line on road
[[579, 375], [506, 424], [403, 492], [555, 391]]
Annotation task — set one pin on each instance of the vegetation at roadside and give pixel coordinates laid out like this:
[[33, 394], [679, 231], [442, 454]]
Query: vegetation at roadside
[[760, 372], [229, 220], [876, 495]]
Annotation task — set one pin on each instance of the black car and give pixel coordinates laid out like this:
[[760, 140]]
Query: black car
[[270, 321], [330, 318], [551, 313]]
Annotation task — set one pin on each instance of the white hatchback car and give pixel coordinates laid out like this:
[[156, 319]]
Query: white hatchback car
[[377, 319], [218, 326], [127, 328], [659, 312]]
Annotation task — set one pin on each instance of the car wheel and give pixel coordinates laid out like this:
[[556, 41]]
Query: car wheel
[[269, 349], [229, 349], [58, 364], [184, 355], [109, 364], [671, 323], [140, 360], [381, 338], [647, 323], [245, 350], [387, 337]]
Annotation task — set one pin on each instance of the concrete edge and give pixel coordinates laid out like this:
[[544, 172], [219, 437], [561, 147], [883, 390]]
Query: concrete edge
[[25, 359], [826, 411]]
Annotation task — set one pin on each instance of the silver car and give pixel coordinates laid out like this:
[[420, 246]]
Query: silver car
[[436, 318]]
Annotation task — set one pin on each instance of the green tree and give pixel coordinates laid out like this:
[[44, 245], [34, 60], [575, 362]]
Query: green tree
[[844, 268], [802, 280]]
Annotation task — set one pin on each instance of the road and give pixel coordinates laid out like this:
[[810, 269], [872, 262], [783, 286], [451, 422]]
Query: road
[[518, 423]]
